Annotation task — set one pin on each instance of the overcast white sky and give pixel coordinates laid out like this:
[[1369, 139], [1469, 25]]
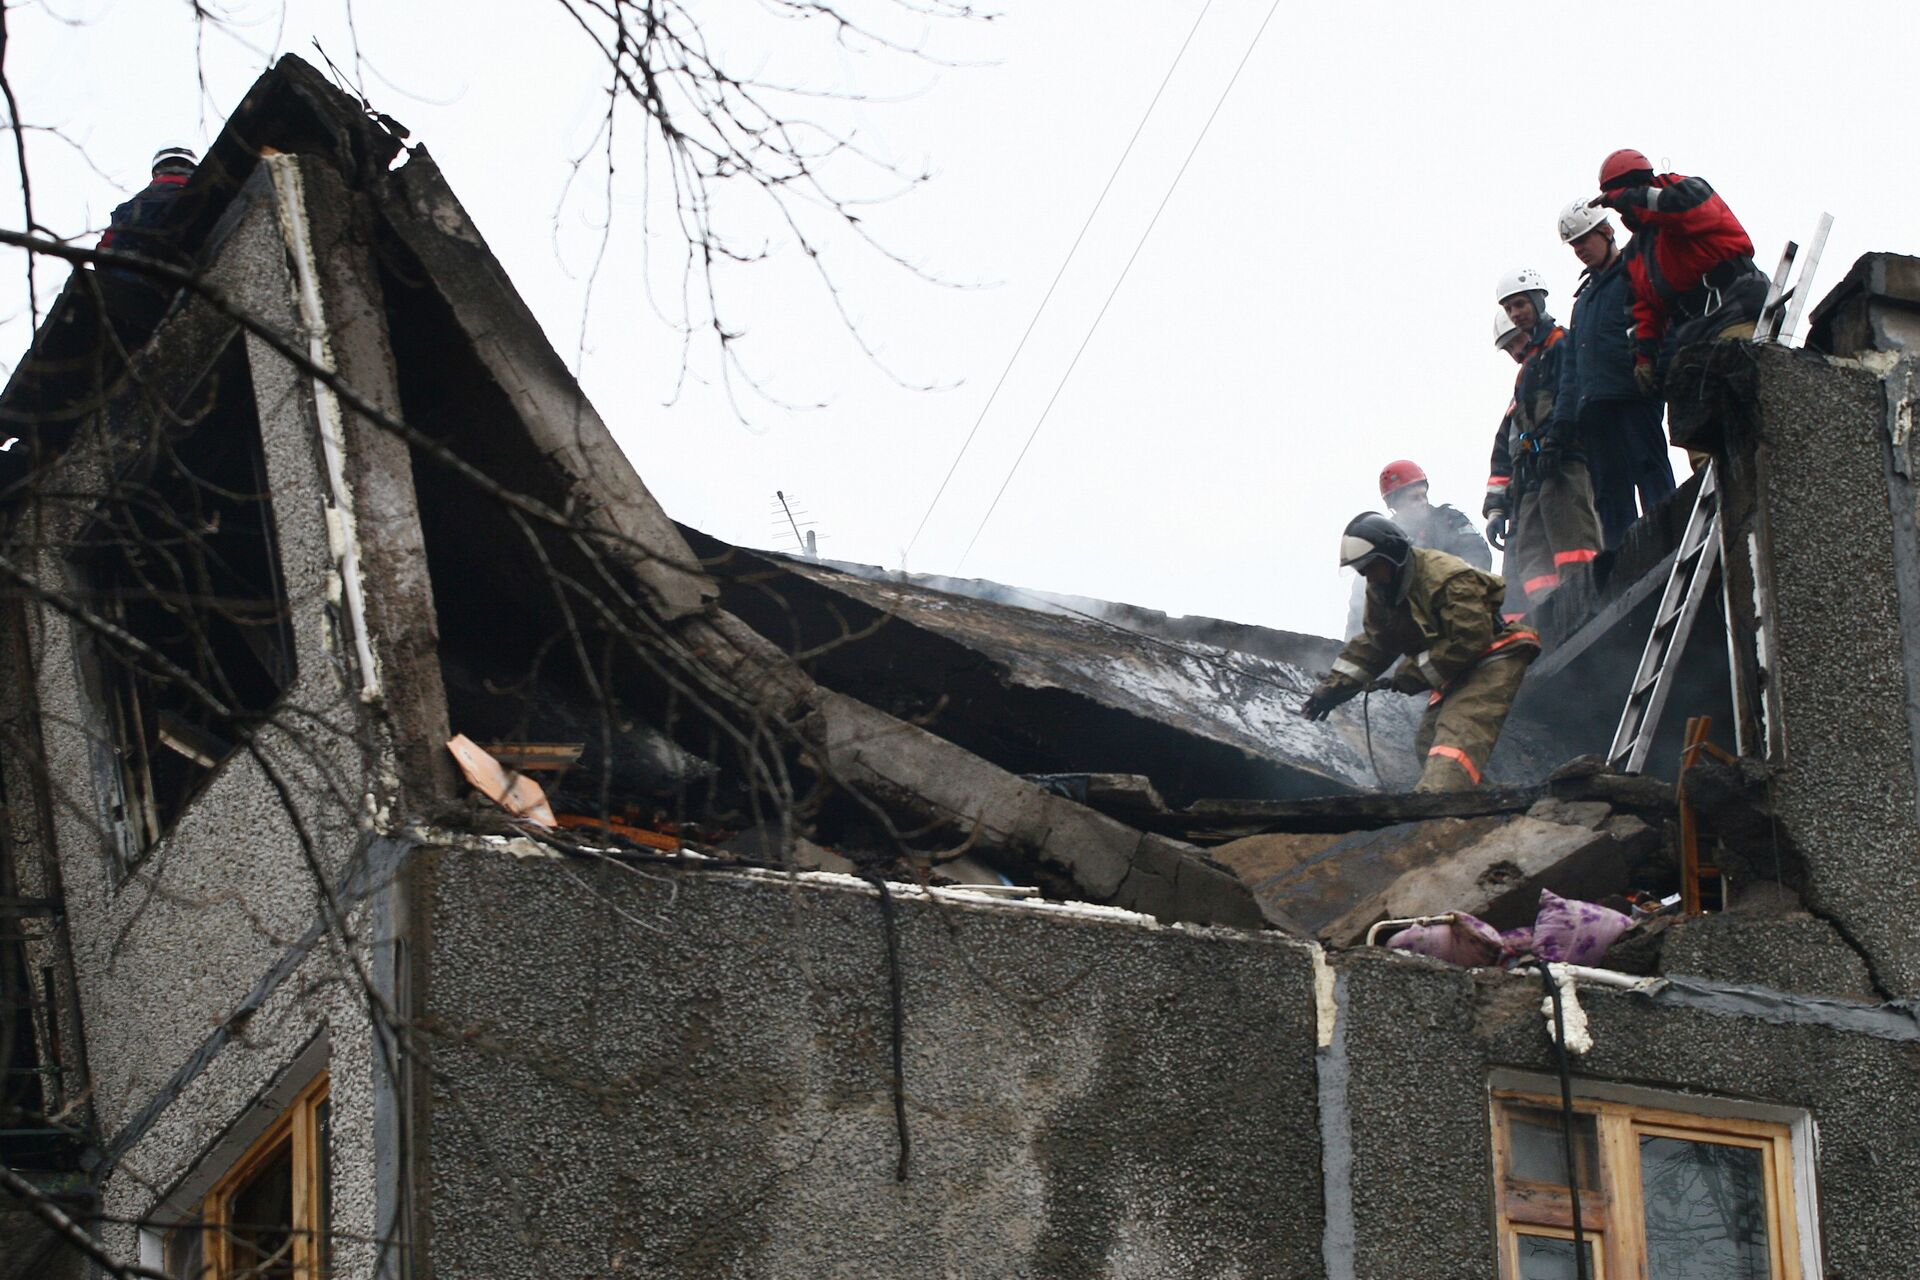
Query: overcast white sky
[[1315, 300]]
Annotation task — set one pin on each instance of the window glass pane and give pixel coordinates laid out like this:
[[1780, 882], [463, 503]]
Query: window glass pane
[[1706, 1210], [1548, 1258], [260, 1220], [186, 1255], [1538, 1147]]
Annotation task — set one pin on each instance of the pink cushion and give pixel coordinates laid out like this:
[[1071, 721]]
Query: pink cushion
[[1467, 941], [1572, 932]]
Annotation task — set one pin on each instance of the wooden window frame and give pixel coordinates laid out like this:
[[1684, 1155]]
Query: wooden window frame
[[299, 1126], [1614, 1212]]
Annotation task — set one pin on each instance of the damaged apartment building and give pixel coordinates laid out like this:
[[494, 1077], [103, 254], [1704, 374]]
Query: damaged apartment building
[[423, 858]]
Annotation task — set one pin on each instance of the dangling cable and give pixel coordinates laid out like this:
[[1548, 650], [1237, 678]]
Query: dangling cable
[[1567, 1121]]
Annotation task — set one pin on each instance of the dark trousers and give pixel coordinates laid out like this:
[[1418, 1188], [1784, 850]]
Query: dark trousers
[[1627, 456]]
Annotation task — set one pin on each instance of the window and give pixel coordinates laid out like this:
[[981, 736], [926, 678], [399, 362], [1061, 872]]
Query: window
[[1664, 1195], [266, 1219], [180, 556]]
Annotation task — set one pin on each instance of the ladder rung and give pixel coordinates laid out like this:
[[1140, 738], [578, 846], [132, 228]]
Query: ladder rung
[[1666, 640]]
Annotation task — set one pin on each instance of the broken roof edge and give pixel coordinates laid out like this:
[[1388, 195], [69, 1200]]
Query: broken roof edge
[[1238, 706], [423, 211], [1224, 633], [290, 107], [527, 850]]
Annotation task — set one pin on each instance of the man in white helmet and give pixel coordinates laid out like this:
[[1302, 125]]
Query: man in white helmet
[[139, 225], [1554, 527], [1498, 508], [146, 226], [1598, 403]]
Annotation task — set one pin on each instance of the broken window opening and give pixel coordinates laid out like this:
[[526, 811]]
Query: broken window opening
[[1667, 1195], [182, 563], [522, 678], [268, 1217]]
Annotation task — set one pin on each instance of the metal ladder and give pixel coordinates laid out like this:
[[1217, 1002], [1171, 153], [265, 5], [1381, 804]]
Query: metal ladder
[[1701, 549], [1780, 315], [1687, 584]]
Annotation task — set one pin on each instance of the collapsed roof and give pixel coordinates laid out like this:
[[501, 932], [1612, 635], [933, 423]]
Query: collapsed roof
[[1086, 747]]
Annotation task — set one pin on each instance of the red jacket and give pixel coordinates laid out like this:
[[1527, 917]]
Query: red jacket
[[1681, 231]]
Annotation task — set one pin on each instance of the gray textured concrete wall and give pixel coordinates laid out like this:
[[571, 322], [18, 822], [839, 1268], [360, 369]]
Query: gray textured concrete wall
[[689, 1076], [1847, 792], [1424, 1037], [202, 973]]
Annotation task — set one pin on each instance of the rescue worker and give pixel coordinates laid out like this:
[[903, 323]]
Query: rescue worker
[[1441, 617], [1403, 487], [1690, 261], [1507, 337], [133, 301], [1554, 527], [140, 224], [1598, 401]]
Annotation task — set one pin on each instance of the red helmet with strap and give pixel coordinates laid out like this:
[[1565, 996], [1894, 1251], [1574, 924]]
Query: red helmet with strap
[[1621, 163], [1396, 476]]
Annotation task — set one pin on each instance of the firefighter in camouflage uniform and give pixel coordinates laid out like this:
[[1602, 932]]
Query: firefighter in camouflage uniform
[[1441, 617]]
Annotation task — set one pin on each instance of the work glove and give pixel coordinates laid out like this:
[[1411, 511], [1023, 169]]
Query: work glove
[[1646, 366], [1623, 199], [1497, 531], [1321, 702]]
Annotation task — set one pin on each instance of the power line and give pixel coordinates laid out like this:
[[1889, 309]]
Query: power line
[[1067, 262], [1091, 329]]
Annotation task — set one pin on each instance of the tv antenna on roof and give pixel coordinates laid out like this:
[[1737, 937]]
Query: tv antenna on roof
[[788, 519]]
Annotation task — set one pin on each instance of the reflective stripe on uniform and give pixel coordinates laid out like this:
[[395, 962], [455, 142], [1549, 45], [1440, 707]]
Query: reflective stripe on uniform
[[1352, 670], [1512, 637], [1563, 558], [1545, 582], [1512, 617], [1498, 649], [1427, 669], [1460, 758]]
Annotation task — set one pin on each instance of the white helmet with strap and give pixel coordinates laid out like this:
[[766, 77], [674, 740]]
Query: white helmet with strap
[[1505, 331], [1579, 218], [1524, 280], [175, 158]]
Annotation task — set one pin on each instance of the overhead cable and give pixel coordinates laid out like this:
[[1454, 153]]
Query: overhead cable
[[1067, 262], [1171, 188]]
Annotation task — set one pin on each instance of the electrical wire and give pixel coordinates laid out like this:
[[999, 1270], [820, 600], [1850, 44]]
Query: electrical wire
[[1568, 1125], [1021, 345], [1121, 280]]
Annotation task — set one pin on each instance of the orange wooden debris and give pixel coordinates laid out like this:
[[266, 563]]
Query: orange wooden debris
[[639, 835], [518, 794]]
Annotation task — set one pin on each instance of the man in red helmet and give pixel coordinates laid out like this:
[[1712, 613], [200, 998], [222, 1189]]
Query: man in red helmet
[[1403, 487], [1690, 261]]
